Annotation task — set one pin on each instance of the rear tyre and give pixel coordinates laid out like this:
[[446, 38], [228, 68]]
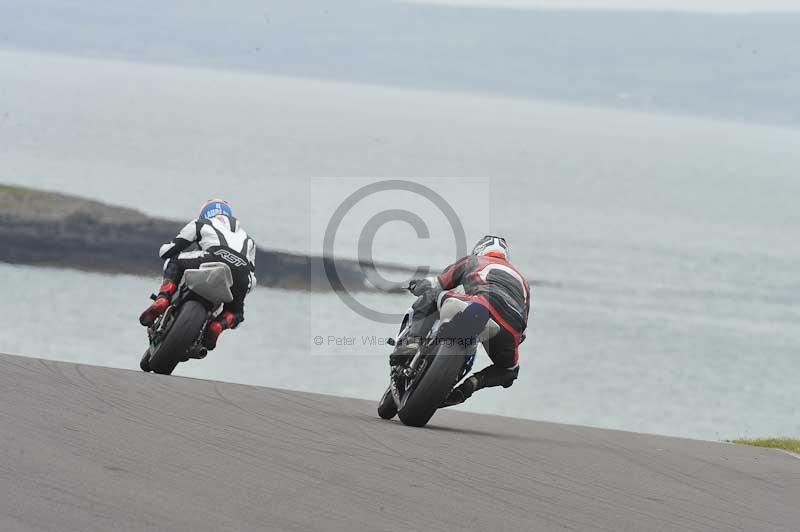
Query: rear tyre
[[433, 388], [387, 408], [183, 333]]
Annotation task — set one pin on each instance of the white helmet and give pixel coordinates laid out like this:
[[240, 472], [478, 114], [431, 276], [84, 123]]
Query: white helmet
[[493, 246]]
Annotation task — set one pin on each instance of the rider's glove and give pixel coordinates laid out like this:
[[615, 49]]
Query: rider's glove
[[419, 287]]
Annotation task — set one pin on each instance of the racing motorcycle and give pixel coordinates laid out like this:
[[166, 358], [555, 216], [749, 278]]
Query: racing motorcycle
[[418, 388], [177, 335]]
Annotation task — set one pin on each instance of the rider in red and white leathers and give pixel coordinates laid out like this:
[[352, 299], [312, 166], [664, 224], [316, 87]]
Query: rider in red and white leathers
[[487, 278]]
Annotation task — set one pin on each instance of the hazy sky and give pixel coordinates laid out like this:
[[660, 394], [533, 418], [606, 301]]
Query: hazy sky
[[677, 5], [738, 67]]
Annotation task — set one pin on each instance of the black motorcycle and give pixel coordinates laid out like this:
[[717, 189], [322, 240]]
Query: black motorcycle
[[177, 335], [418, 388]]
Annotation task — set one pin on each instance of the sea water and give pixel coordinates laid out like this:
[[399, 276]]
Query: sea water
[[664, 249]]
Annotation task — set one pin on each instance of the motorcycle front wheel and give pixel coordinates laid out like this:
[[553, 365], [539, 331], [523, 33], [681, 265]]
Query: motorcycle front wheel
[[144, 363], [387, 408]]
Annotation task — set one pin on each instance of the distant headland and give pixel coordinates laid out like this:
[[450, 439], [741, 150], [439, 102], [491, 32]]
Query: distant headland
[[52, 229]]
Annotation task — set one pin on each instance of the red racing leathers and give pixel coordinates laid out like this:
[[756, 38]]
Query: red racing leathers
[[495, 283]]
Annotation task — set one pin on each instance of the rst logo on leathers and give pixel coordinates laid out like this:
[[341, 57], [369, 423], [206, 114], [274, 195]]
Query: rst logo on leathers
[[230, 258]]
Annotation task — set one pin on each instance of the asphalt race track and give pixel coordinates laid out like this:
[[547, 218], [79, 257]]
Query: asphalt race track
[[94, 449]]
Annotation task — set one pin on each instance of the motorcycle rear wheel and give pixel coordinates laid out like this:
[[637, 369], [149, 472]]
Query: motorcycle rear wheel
[[183, 333], [433, 387]]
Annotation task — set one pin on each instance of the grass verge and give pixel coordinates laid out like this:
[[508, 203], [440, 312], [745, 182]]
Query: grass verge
[[788, 444]]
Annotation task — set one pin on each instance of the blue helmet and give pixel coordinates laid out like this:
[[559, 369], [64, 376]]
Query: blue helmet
[[216, 207]]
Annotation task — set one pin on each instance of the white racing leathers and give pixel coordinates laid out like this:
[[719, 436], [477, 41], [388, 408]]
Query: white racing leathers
[[220, 239]]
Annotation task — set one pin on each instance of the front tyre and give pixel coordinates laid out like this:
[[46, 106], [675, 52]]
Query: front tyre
[[387, 408], [144, 363], [433, 387], [183, 333]]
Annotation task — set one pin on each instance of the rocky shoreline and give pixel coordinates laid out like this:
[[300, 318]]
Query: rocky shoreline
[[51, 229]]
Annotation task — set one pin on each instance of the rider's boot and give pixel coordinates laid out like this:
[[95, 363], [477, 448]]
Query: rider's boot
[[211, 336], [226, 320], [462, 392], [488, 377], [165, 293]]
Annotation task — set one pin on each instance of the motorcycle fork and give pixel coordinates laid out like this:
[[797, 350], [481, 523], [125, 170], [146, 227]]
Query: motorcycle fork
[[157, 328], [165, 318], [401, 377]]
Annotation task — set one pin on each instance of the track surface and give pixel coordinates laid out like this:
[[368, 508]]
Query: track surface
[[95, 449]]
